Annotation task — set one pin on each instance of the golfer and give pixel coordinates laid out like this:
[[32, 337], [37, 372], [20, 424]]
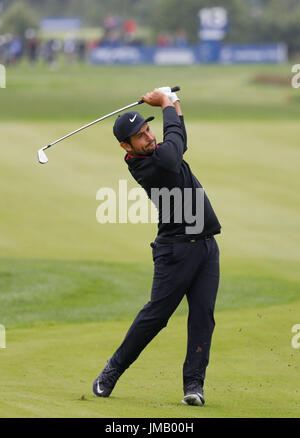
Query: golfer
[[185, 262]]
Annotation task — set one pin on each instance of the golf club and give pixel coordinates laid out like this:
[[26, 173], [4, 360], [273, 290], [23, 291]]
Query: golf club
[[41, 154]]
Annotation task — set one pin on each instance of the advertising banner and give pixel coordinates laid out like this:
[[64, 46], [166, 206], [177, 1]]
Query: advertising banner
[[205, 52], [253, 53]]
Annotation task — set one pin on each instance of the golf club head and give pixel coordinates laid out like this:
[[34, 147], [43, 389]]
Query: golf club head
[[42, 156]]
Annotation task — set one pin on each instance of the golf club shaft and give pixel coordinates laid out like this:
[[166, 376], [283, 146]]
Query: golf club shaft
[[92, 123], [174, 89]]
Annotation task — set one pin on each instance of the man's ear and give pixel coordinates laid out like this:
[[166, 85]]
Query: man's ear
[[126, 146]]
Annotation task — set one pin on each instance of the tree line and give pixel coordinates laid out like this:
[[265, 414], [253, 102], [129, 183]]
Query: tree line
[[250, 21]]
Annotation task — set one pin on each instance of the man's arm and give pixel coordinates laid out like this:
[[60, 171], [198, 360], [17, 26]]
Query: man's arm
[[170, 151], [176, 104], [179, 112], [177, 107], [175, 100]]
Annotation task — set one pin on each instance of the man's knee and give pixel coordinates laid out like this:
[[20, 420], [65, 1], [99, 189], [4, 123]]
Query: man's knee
[[156, 315]]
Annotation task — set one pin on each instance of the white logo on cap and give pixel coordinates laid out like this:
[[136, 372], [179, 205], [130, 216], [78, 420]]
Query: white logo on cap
[[133, 119]]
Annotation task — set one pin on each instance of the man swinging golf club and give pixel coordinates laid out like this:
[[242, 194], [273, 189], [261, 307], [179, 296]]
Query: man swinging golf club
[[184, 263]]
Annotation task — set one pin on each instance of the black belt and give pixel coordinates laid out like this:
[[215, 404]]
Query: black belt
[[183, 238]]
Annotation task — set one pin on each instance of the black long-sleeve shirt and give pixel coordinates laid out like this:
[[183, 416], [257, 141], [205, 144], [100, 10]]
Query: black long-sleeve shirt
[[165, 167]]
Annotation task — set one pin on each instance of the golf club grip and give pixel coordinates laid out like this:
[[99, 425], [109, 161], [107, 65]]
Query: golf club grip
[[173, 90]]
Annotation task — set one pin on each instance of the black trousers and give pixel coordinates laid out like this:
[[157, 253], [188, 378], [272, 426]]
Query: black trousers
[[181, 268]]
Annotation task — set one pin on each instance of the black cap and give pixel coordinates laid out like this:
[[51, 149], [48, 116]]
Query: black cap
[[129, 124]]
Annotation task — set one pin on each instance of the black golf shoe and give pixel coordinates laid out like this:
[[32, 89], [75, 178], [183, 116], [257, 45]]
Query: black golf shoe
[[193, 395], [105, 382]]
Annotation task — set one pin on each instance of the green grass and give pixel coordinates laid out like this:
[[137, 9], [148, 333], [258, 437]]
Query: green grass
[[84, 92], [35, 292], [249, 170], [70, 287]]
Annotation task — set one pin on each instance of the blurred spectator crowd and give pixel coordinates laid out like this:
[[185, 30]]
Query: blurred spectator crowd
[[13, 48], [116, 33]]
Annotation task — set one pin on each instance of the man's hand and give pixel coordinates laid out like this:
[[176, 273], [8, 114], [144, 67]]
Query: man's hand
[[170, 94], [157, 98]]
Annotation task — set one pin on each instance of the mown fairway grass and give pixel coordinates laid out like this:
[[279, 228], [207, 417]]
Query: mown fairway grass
[[48, 371], [70, 287], [83, 92]]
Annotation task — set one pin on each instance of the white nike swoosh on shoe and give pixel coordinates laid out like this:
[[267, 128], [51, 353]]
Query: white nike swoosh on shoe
[[98, 389], [133, 119]]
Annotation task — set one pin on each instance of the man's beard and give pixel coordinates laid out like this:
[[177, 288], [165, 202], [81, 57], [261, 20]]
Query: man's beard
[[147, 151]]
